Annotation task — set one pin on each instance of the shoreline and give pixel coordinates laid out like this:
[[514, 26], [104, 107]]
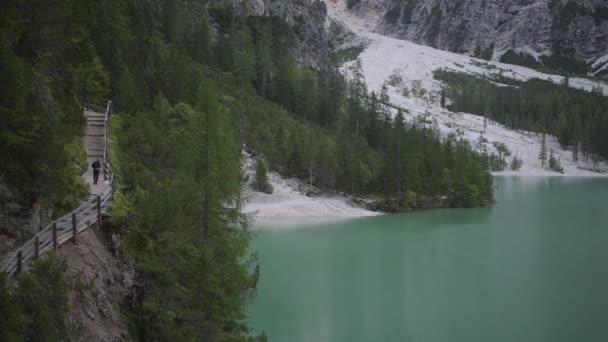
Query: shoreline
[[289, 207], [289, 202], [549, 174]]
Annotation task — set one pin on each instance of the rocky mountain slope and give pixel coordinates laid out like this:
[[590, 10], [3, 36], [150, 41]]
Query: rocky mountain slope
[[563, 31], [307, 19], [407, 68]]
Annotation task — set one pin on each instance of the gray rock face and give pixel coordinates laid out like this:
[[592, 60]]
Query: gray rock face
[[307, 17], [18, 222], [575, 29]]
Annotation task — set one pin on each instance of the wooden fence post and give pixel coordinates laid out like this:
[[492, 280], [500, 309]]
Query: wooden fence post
[[54, 235], [19, 261], [74, 224], [36, 251], [99, 212]]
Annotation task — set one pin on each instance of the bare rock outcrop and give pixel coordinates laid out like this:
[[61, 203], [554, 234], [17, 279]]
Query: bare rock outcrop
[[569, 29], [106, 281]]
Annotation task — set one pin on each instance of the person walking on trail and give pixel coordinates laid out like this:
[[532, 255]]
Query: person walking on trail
[[96, 167]]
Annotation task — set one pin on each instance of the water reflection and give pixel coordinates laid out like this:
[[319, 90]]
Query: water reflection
[[530, 268]]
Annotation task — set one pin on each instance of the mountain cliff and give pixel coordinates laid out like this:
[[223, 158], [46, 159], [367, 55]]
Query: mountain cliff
[[306, 18], [560, 34]]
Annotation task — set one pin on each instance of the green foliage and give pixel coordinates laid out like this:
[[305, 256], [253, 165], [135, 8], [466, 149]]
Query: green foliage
[[352, 3], [181, 184], [554, 164], [486, 53], [563, 62], [179, 95], [570, 114], [11, 313], [43, 294], [560, 62], [261, 177], [542, 155], [516, 164], [351, 150], [39, 111], [521, 58], [36, 309]]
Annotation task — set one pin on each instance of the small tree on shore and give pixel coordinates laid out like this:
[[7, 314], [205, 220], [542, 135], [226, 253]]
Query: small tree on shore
[[516, 163], [554, 164], [575, 151], [542, 156], [261, 177]]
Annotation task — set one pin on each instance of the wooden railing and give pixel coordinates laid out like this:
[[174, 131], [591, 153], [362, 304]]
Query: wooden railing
[[108, 117], [67, 227]]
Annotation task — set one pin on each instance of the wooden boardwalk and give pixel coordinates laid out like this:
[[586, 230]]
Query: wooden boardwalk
[[89, 214]]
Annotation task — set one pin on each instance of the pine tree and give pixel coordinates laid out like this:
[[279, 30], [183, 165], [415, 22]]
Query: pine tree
[[542, 156], [286, 83], [201, 41], [244, 57], [394, 161], [399, 131], [373, 111], [310, 148], [264, 61], [261, 177], [575, 150], [554, 164], [485, 124], [127, 96], [516, 163], [306, 95], [219, 158], [327, 165], [357, 94], [385, 118]]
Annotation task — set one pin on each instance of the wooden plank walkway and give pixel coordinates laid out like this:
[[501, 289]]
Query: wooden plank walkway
[[89, 214]]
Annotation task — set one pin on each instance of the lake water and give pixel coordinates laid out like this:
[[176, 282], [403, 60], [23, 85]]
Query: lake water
[[534, 267]]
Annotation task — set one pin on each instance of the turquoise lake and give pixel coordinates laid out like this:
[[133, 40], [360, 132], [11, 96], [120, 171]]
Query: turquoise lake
[[533, 267]]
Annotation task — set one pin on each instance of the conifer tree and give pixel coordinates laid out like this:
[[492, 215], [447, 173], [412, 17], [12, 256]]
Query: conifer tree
[[244, 57], [542, 156], [357, 94], [575, 150], [261, 177], [201, 41], [264, 61]]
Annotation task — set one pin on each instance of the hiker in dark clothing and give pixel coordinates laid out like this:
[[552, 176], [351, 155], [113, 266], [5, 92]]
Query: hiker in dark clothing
[[96, 167]]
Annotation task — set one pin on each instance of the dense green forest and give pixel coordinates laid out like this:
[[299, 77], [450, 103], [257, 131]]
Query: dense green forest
[[192, 84], [40, 70], [578, 118], [37, 308], [555, 64]]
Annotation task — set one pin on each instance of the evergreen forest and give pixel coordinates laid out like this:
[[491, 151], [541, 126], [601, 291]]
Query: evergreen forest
[[192, 84]]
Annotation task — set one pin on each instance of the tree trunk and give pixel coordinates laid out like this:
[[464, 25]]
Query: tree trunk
[[399, 170]]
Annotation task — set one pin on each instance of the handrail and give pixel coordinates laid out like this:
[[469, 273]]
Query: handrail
[[67, 227], [106, 124]]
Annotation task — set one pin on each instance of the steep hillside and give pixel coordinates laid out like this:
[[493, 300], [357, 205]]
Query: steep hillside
[[562, 35], [408, 71], [306, 18]]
